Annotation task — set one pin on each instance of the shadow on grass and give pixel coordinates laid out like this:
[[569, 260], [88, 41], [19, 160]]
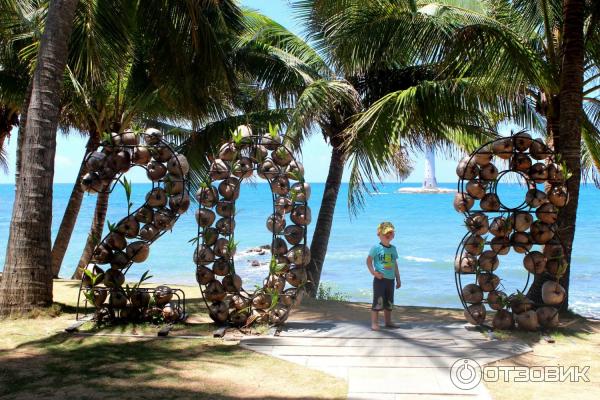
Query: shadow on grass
[[64, 366]]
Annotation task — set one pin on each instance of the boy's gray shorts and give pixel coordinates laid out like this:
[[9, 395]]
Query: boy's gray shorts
[[383, 294]]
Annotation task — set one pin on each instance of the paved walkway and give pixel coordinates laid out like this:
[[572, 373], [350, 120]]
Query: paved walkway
[[412, 361]]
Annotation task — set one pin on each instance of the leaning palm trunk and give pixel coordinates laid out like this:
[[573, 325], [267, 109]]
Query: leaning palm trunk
[[320, 240], [27, 279], [61, 243], [95, 233]]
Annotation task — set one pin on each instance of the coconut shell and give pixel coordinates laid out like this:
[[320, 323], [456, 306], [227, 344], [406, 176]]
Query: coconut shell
[[476, 189], [225, 226], [275, 223], [558, 196], [281, 156], [174, 184], [553, 293], [477, 223], [228, 151], [91, 183], [258, 153], [294, 234], [503, 320], [535, 198], [271, 142], [299, 255], [490, 202], [555, 173], [522, 140], [496, 299], [467, 168], [218, 170], [180, 203], [239, 302], [463, 202], [520, 304], [538, 172], [232, 283], [144, 215], [488, 261], [243, 168], [535, 262], [268, 169], [300, 191], [278, 247], [203, 255], [520, 162], [261, 301], [138, 251], [472, 293], [156, 198], [528, 321], [162, 153], [119, 260], [465, 264], [488, 172], [238, 318], [225, 209], [152, 136], [503, 148], [295, 171], [521, 221], [538, 150], [204, 275], [214, 291], [140, 299], [178, 165], [230, 188], [116, 241], [475, 314], [149, 232], [102, 254], [547, 213], [117, 300], [210, 236], [500, 245], [474, 244], [222, 266], [141, 155], [301, 215], [541, 233], [521, 242], [155, 171], [222, 248], [218, 312], [99, 295], [207, 196], [113, 278], [488, 281], [280, 185], [500, 226], [296, 276], [547, 317], [483, 156], [164, 219], [95, 161], [205, 217], [283, 205]]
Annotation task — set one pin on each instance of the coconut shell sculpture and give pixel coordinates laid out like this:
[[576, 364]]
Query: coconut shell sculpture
[[226, 298], [495, 229], [129, 240]]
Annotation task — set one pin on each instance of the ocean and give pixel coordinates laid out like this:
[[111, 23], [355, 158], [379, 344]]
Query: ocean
[[428, 231]]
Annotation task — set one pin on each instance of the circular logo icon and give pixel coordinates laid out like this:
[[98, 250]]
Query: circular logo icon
[[465, 373]]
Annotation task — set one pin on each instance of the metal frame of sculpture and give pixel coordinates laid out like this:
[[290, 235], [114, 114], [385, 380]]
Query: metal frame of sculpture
[[221, 287], [510, 227], [129, 239], [225, 299]]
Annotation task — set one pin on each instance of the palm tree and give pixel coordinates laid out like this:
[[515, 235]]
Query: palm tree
[[433, 110], [513, 50], [27, 277]]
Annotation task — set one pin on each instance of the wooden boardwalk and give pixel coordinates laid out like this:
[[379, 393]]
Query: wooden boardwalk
[[412, 361]]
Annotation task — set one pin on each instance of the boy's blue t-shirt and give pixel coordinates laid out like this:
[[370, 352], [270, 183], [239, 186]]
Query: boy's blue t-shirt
[[384, 259]]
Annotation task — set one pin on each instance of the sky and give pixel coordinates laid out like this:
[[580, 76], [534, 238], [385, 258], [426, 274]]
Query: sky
[[315, 153]]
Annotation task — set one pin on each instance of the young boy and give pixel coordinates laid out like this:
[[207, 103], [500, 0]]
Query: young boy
[[383, 266]]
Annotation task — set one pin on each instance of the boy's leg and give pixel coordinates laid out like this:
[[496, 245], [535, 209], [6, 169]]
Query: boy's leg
[[375, 320], [389, 302]]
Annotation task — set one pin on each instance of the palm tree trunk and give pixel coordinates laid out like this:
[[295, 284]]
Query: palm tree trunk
[[27, 279], [320, 240], [571, 98], [61, 243], [95, 233]]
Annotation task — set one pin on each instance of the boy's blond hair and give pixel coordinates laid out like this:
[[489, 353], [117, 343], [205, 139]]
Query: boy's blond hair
[[384, 228]]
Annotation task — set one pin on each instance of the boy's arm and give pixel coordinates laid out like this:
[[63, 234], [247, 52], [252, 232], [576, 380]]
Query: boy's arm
[[397, 272], [376, 274]]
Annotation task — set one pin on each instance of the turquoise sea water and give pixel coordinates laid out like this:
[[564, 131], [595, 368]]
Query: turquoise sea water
[[428, 232]]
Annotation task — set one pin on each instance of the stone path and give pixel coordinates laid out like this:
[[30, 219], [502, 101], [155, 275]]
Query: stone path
[[412, 361]]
